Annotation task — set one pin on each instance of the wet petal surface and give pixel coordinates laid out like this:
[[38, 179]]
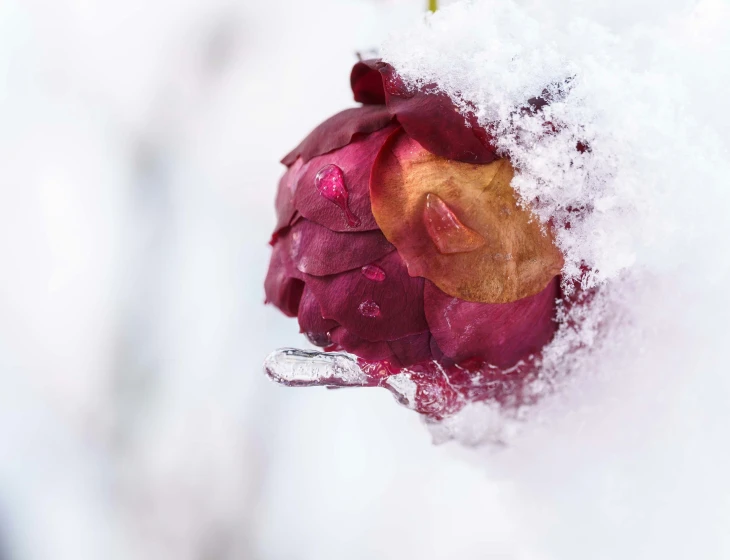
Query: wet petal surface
[[500, 333], [320, 198], [320, 251], [339, 131], [373, 310]]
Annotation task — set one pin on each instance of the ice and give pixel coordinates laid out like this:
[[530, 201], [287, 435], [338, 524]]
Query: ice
[[302, 368]]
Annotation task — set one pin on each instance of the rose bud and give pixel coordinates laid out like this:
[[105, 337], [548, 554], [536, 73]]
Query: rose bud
[[400, 240]]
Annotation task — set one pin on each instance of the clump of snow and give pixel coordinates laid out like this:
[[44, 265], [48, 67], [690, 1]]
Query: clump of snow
[[634, 442], [628, 162]]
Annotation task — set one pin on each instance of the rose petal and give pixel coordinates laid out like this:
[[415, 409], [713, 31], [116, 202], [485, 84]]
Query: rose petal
[[339, 130], [355, 160], [284, 283], [412, 349], [432, 119], [374, 310], [285, 210], [513, 257], [311, 322], [501, 333], [370, 351], [320, 251], [367, 83]]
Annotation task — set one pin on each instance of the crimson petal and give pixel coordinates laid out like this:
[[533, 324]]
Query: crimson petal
[[370, 351], [374, 310], [412, 349], [501, 333], [311, 322], [284, 283], [285, 211], [320, 251], [431, 119], [356, 161], [339, 130], [367, 83]]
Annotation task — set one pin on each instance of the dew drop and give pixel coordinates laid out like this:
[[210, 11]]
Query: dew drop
[[330, 182], [369, 308], [321, 339], [446, 230], [373, 272]]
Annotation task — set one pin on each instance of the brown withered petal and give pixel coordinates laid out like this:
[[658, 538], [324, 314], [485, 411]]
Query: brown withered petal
[[512, 257]]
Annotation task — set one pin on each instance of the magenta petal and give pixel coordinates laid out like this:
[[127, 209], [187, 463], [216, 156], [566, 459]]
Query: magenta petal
[[371, 351], [284, 283], [432, 120], [367, 83], [412, 349], [285, 210], [312, 324], [500, 333], [339, 130], [374, 310], [320, 251], [350, 211]]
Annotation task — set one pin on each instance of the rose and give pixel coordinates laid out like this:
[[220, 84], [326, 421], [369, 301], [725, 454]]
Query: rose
[[400, 240]]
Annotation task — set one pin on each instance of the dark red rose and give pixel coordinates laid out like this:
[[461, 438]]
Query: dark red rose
[[399, 239]]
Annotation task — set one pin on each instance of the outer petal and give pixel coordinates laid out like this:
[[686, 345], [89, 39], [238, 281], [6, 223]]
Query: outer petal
[[367, 82], [285, 211], [370, 351], [501, 333], [320, 251], [284, 283], [432, 119], [356, 161], [339, 130], [311, 322], [374, 310], [412, 349], [403, 352]]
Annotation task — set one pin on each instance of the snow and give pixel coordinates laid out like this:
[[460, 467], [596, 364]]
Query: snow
[[629, 451]]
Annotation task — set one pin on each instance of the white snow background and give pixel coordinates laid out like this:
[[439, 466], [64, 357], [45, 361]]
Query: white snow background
[[139, 143]]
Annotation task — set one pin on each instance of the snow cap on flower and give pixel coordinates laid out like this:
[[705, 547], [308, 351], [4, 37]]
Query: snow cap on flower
[[400, 240]]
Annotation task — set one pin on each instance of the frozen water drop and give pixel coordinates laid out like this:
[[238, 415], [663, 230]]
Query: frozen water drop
[[373, 272], [330, 182], [446, 230], [306, 368], [369, 308]]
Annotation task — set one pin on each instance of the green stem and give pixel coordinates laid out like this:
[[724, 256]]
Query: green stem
[[433, 5]]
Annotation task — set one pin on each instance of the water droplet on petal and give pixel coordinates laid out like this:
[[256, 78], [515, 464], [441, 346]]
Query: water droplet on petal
[[373, 272], [446, 230], [321, 339], [330, 182], [369, 308]]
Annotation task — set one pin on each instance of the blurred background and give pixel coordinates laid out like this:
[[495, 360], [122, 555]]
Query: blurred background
[[139, 149]]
